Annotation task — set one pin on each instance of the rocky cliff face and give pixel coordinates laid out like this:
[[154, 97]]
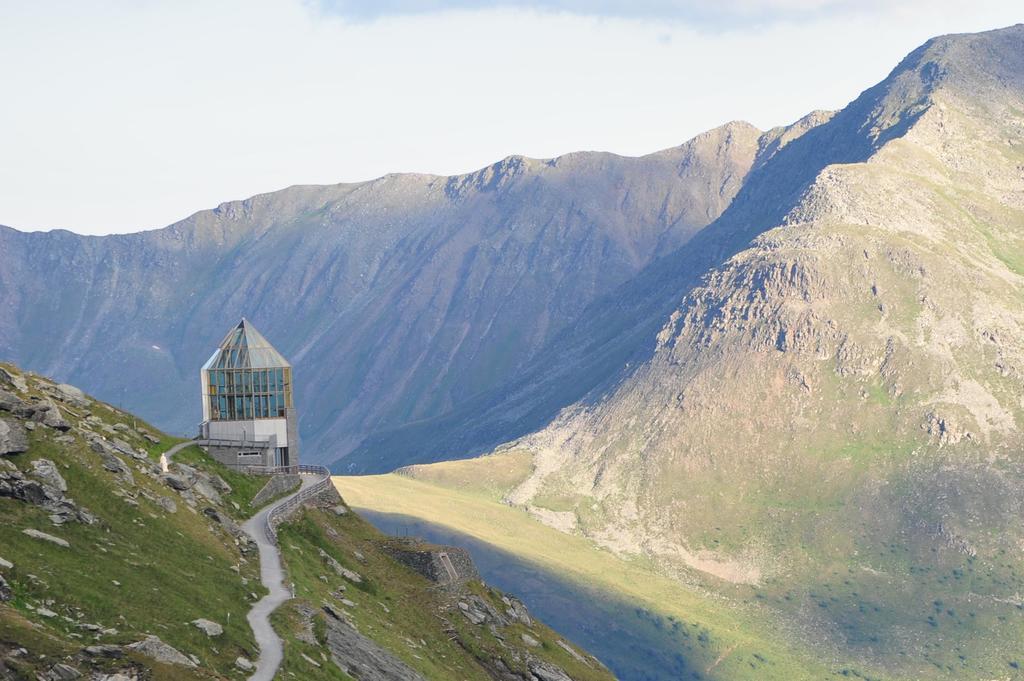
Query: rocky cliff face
[[396, 299], [842, 392]]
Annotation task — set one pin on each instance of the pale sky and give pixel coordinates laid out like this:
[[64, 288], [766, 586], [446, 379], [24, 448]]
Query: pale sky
[[126, 115]]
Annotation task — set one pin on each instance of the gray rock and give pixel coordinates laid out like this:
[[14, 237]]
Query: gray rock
[[530, 640], [517, 611], [5, 590], [125, 448], [36, 534], [6, 564], [167, 504], [545, 671], [48, 413], [13, 379], [13, 437], [572, 651], [112, 463], [62, 672], [72, 395], [361, 658], [334, 612], [474, 615], [151, 439], [220, 484], [46, 472], [208, 627], [341, 570], [12, 403], [244, 664], [176, 482], [203, 488], [153, 647], [104, 650], [478, 611]]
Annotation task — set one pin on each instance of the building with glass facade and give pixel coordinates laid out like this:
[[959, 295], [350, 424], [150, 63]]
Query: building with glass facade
[[248, 410]]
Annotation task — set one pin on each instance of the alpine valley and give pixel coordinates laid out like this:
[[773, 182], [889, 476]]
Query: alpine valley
[[768, 386]]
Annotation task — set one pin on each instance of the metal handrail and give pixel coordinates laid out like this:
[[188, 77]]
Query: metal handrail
[[281, 510]]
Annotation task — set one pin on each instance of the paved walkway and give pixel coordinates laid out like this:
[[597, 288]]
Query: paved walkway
[[177, 448], [272, 576]]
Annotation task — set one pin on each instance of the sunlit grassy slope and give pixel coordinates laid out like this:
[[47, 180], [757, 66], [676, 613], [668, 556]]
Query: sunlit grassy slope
[[723, 640], [395, 606]]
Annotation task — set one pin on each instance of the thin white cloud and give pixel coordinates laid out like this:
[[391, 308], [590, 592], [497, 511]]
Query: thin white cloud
[[722, 14], [121, 116]]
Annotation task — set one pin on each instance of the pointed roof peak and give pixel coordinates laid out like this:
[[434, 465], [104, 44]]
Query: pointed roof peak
[[245, 348]]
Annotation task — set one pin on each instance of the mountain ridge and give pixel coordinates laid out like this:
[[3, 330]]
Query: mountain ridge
[[849, 136], [831, 414], [409, 258]]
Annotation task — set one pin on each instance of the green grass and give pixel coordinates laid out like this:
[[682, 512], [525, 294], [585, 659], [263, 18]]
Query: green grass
[[736, 635], [139, 570], [171, 568], [395, 606]]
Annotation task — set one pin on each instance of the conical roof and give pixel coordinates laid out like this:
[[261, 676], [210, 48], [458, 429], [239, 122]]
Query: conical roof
[[245, 348]]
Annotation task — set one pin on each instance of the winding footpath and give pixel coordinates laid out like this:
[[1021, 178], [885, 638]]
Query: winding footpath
[[272, 576], [271, 573]]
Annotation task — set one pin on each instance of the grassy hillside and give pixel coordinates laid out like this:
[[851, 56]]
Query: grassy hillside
[[728, 637], [777, 629], [138, 569], [414, 619], [118, 552]]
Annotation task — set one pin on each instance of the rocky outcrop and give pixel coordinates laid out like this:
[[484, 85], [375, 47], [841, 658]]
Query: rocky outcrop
[[46, 472], [48, 413], [154, 648], [360, 657], [208, 627], [339, 569], [13, 437], [43, 536], [47, 494]]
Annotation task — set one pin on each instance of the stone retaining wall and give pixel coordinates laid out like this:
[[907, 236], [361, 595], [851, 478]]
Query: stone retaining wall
[[275, 487]]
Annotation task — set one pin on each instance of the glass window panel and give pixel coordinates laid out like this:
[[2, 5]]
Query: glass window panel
[[223, 407], [273, 404], [239, 409]]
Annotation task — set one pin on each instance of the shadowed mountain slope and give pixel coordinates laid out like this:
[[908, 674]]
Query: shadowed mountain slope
[[618, 330], [395, 299], [831, 414]]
